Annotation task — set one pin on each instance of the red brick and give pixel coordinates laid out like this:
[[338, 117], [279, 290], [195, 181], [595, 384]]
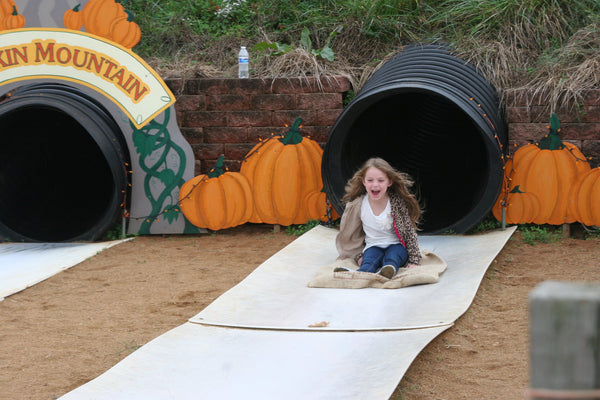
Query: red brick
[[319, 134], [327, 117], [517, 114], [591, 148], [225, 134], [526, 132], [190, 103], [206, 86], [272, 102], [204, 118], [176, 85], [319, 101], [541, 114], [208, 151], [590, 114], [237, 151], [193, 135], [581, 131], [226, 102], [249, 118], [257, 134], [329, 84], [283, 118], [248, 86], [295, 85], [336, 84]]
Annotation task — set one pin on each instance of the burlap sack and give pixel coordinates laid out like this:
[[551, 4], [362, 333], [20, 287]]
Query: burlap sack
[[429, 271]]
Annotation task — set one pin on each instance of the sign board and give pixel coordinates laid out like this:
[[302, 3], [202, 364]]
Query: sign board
[[90, 60]]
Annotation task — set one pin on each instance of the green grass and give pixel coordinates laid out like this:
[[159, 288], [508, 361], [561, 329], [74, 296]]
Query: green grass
[[532, 234], [515, 43], [298, 230]]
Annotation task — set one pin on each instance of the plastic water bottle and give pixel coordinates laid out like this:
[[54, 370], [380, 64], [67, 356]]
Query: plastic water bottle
[[243, 63]]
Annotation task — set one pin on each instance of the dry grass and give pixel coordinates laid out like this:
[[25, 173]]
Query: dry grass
[[521, 57]]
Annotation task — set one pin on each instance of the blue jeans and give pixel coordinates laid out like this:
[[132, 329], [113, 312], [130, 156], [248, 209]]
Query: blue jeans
[[375, 257]]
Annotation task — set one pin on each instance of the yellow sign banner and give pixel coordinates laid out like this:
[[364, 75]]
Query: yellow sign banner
[[100, 64]]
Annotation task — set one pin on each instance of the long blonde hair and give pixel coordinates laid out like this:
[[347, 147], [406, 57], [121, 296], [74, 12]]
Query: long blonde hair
[[401, 182]]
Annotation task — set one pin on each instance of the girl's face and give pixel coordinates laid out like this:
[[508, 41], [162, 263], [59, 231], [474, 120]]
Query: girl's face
[[376, 183]]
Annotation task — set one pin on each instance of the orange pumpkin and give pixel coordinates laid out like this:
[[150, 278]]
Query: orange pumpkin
[[14, 20], [98, 15], [73, 18], [6, 9], [521, 207], [218, 200], [585, 198], [125, 32], [548, 169], [281, 172], [316, 207], [249, 164]]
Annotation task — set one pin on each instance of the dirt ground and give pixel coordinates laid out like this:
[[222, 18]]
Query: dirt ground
[[68, 329]]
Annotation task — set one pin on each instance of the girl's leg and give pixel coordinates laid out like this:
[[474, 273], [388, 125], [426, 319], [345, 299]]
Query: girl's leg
[[371, 260], [395, 255]]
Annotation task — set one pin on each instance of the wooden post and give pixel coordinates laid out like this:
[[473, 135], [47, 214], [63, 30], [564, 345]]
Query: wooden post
[[566, 230], [565, 341]]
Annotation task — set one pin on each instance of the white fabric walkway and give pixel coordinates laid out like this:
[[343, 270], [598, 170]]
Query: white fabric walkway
[[256, 342], [25, 264]]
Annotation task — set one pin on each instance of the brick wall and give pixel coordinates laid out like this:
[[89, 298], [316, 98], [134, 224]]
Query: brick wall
[[528, 118], [229, 116]]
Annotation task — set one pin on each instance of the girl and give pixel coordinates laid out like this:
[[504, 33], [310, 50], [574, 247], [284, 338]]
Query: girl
[[379, 223]]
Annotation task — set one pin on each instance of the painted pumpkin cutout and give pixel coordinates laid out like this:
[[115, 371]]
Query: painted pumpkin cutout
[[217, 200], [521, 207], [585, 198], [316, 207], [281, 172], [98, 15], [73, 18], [14, 20], [6, 9], [548, 169], [125, 32]]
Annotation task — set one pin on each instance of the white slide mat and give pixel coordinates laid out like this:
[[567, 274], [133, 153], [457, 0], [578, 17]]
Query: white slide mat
[[254, 342], [275, 295], [24, 264], [196, 362]]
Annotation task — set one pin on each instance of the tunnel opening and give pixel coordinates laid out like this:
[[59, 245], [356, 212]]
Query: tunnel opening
[[63, 166], [420, 113]]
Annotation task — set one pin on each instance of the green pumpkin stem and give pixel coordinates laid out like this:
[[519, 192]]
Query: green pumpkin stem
[[293, 134], [76, 8], [552, 141], [516, 189], [15, 12], [217, 169]]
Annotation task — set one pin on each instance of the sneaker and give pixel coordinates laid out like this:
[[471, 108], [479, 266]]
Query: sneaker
[[342, 269], [388, 271]]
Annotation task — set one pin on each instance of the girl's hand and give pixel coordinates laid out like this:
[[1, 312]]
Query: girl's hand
[[411, 265]]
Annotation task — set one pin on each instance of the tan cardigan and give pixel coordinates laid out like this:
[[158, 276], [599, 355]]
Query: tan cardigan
[[350, 242]]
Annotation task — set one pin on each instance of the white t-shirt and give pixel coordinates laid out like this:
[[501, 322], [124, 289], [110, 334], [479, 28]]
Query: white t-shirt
[[379, 229]]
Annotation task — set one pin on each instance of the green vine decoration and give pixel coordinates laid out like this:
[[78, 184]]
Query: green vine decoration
[[152, 138]]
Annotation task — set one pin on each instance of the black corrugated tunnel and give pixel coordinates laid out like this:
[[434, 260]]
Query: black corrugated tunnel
[[63, 173], [434, 117]]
